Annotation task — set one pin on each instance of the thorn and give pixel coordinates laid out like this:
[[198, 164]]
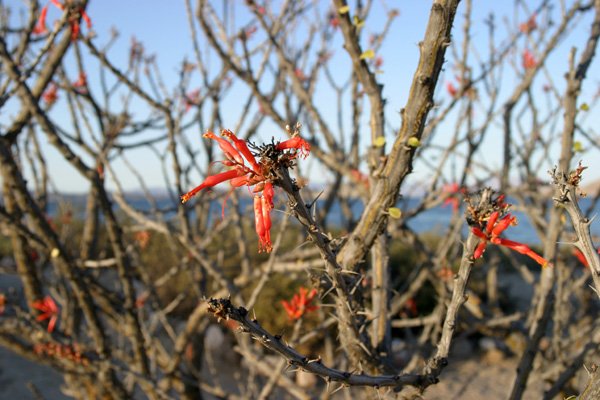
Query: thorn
[[337, 390]]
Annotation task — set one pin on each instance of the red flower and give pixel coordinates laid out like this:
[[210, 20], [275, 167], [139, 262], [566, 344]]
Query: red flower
[[300, 303], [48, 310], [493, 229], [40, 27], [81, 83], [334, 21], [378, 62], [300, 74], [191, 99], [255, 174], [51, 94], [452, 91], [360, 177], [529, 26], [142, 238], [2, 303], [73, 20], [577, 253], [453, 199], [296, 143], [529, 60]]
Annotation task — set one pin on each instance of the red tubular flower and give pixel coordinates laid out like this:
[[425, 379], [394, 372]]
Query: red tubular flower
[[453, 199], [529, 60], [262, 222], [296, 143], [48, 310], [40, 27], [231, 153], [210, 182], [493, 229], [577, 253], [81, 83], [242, 147], [74, 22], [256, 174], [529, 26], [300, 304], [452, 91], [51, 94]]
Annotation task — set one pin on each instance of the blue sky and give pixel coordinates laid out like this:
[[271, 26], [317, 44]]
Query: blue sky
[[162, 27]]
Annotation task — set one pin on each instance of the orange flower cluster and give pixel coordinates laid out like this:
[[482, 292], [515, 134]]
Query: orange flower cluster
[[494, 227], [245, 170], [454, 191], [64, 351], [529, 60], [300, 303], [41, 28], [529, 26], [51, 94]]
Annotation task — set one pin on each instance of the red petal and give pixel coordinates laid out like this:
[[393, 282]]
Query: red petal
[[259, 223], [210, 182], [491, 222], [503, 224], [226, 147], [40, 27], [242, 148], [87, 19], [266, 213], [479, 250], [58, 4], [523, 249], [479, 233], [296, 143]]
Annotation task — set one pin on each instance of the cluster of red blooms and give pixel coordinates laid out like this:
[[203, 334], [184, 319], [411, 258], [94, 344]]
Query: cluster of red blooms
[[80, 85], [529, 60], [51, 94], [142, 238], [191, 99], [529, 26], [41, 28], [454, 191], [48, 311], [58, 350], [300, 303], [259, 174], [494, 226]]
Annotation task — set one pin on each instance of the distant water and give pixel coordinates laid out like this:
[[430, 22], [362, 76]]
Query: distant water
[[433, 220]]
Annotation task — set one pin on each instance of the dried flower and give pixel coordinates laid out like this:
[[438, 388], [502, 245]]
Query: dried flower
[[300, 303], [48, 311]]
